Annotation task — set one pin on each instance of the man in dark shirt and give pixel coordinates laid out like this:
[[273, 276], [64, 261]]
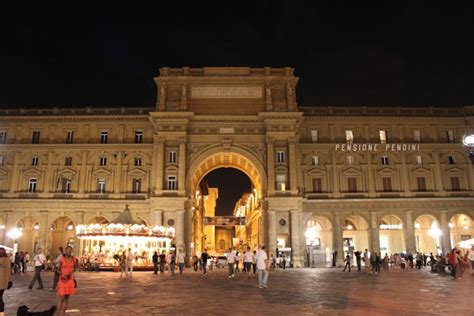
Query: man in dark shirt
[[155, 262], [162, 262], [204, 257], [357, 254]]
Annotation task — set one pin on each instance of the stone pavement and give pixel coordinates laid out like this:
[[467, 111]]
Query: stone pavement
[[319, 291]]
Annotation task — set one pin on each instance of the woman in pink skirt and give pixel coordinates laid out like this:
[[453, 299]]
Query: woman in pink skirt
[[66, 285]]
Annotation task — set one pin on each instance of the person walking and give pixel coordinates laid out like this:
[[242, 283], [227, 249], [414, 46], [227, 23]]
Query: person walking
[[129, 267], [39, 260], [67, 284], [56, 268], [155, 262], [27, 260], [261, 262], [366, 261], [334, 258], [230, 262], [419, 260], [358, 254], [22, 262], [172, 263], [248, 261], [237, 261], [181, 257], [204, 257], [195, 262], [5, 272], [283, 261], [123, 264], [162, 262], [348, 262]]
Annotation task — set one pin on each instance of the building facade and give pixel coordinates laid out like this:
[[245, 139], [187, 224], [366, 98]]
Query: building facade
[[390, 179]]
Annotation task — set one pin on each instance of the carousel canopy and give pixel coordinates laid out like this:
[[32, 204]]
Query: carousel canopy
[[127, 218]]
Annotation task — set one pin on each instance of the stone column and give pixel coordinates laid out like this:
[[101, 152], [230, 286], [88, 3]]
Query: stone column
[[8, 225], [470, 176], [157, 217], [409, 231], [182, 167], [160, 160], [370, 175], [374, 233], [188, 230], [270, 166], [180, 230], [272, 235], [77, 241], [83, 173], [296, 223], [405, 175], [293, 167], [118, 175], [43, 236], [14, 180], [337, 238], [47, 183], [335, 176], [438, 174], [444, 227]]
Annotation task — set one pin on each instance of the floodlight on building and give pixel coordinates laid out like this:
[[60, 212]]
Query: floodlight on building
[[36, 227], [15, 233]]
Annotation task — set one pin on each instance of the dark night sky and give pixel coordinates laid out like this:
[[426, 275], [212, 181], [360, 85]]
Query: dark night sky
[[231, 183], [345, 55]]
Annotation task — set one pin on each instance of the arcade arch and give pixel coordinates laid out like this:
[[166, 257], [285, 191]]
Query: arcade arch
[[30, 228], [355, 233], [215, 158], [460, 228], [391, 234], [427, 234], [62, 234]]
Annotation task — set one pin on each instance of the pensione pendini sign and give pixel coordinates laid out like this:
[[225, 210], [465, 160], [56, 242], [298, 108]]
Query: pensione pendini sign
[[377, 147]]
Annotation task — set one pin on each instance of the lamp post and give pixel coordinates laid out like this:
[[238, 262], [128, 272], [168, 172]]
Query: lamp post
[[15, 234]]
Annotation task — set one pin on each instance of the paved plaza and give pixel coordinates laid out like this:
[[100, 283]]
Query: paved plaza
[[319, 291]]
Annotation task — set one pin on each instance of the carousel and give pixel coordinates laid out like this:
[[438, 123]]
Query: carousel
[[102, 244]]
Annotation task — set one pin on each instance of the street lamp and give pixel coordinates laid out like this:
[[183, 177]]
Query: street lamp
[[468, 141], [15, 234]]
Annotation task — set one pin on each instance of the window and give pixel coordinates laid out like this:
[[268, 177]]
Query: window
[[103, 161], [101, 184], [68, 161], [172, 156], [350, 160], [2, 160], [315, 160], [455, 186], [280, 156], [138, 161], [138, 136], [317, 186], [136, 185], [387, 184], [34, 161], [383, 137], [417, 136], [314, 135], [451, 160], [104, 135], [171, 185], [281, 182], [419, 160], [450, 136], [70, 137], [35, 139], [3, 137], [352, 184], [32, 185], [384, 160], [349, 136], [66, 185], [421, 183]]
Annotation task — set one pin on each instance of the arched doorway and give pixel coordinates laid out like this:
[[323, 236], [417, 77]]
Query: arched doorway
[[62, 234], [355, 234], [391, 235], [318, 236], [98, 220], [460, 228], [427, 234], [205, 199], [29, 240]]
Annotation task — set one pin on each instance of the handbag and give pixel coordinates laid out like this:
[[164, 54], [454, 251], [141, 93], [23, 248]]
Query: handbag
[[75, 284], [10, 284]]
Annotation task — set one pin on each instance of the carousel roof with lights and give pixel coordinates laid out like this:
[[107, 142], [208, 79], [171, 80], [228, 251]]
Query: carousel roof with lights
[[125, 225]]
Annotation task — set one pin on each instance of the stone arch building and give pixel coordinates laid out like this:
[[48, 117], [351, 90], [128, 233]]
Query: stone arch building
[[314, 168]]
